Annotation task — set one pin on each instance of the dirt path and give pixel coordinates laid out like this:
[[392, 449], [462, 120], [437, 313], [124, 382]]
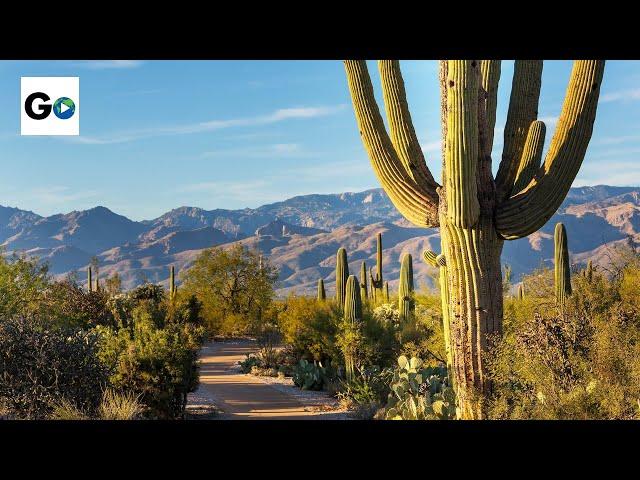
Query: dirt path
[[241, 396]]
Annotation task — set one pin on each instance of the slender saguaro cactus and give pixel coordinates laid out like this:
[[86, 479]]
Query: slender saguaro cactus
[[352, 316], [588, 273], [342, 274], [439, 262], [474, 212], [562, 272], [321, 293], [386, 292], [521, 292], [364, 290], [97, 289], [406, 303], [89, 280], [172, 282], [376, 279]]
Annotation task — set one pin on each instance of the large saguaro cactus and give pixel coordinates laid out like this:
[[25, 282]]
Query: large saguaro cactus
[[342, 274], [562, 271], [476, 213]]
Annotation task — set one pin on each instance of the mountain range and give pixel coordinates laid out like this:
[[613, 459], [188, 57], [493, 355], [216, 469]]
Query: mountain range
[[300, 236]]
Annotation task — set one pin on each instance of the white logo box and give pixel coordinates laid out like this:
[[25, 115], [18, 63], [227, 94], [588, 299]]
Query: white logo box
[[54, 87]]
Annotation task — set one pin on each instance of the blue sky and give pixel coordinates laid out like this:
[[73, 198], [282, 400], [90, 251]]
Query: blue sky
[[156, 135]]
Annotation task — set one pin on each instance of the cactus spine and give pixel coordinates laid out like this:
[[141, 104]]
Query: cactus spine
[[342, 274], [321, 293], [406, 303], [377, 283], [562, 272], [474, 212], [89, 280], [352, 317], [364, 290]]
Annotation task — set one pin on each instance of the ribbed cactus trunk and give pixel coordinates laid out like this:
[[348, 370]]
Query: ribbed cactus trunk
[[89, 280], [387, 298], [377, 284], [406, 303], [321, 292], [562, 270], [364, 288], [475, 212], [342, 274], [352, 317]]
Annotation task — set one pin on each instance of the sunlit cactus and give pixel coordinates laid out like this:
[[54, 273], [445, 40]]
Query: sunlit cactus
[[352, 317], [89, 280], [321, 293], [562, 270], [521, 292], [364, 290], [474, 212], [406, 302], [342, 274], [377, 283]]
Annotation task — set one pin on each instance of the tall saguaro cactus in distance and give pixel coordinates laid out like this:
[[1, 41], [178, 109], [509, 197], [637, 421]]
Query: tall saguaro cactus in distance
[[406, 303], [364, 290], [562, 271], [342, 274], [321, 293], [89, 280], [476, 213], [377, 283], [172, 282]]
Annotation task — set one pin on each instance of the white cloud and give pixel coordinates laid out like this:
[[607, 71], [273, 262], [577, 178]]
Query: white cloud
[[211, 125], [621, 96], [111, 64], [274, 150], [58, 194]]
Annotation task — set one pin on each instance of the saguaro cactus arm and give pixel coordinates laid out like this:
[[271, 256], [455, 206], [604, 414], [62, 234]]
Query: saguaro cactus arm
[[527, 211], [403, 135], [490, 72], [417, 201], [523, 109], [531, 156]]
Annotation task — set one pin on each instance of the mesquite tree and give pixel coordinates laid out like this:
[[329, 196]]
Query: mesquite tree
[[474, 211]]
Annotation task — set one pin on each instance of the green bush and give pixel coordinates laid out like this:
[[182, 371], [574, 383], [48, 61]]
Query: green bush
[[41, 367], [159, 365]]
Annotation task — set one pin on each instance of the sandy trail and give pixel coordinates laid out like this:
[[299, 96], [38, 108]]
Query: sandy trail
[[244, 397]]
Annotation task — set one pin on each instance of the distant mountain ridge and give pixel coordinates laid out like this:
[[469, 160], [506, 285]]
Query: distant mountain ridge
[[300, 235]]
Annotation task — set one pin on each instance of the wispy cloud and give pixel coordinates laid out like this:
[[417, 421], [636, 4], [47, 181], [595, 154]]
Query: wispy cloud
[[621, 96], [211, 125], [276, 149], [58, 194], [110, 64]]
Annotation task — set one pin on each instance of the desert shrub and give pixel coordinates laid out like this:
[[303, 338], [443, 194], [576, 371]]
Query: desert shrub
[[23, 283], [41, 367], [187, 309], [249, 362], [419, 393], [157, 364], [119, 406], [67, 304], [366, 393], [309, 327], [579, 363]]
